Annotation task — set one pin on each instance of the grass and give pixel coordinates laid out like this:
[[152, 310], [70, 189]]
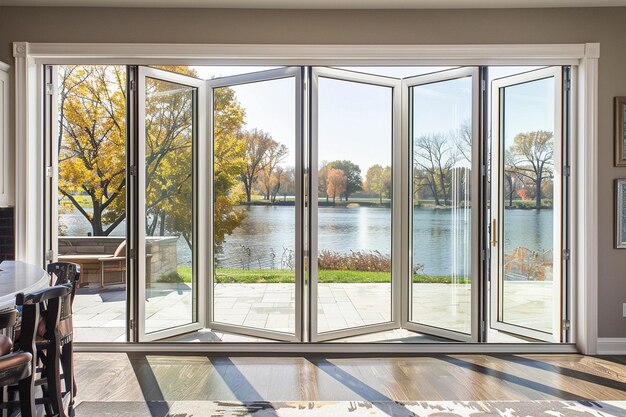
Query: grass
[[276, 276]]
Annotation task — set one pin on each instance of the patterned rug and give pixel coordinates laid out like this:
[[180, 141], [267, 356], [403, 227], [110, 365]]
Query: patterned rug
[[354, 409]]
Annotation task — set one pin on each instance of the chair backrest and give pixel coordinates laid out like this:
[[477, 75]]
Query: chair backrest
[[8, 319], [121, 249], [65, 273], [56, 302]]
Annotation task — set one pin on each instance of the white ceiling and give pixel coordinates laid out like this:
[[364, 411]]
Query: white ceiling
[[321, 4]]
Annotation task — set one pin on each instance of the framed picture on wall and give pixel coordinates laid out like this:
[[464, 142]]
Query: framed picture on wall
[[620, 132], [620, 214]]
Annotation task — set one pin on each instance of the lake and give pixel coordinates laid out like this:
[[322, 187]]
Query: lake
[[266, 237]]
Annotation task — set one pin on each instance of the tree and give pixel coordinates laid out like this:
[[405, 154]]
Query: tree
[[353, 176], [464, 140], [287, 185], [92, 143], [322, 178], [435, 155], [337, 182], [378, 181], [276, 153], [257, 144], [228, 163], [533, 158]]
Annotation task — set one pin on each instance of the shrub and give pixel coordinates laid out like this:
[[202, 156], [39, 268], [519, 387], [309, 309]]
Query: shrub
[[171, 278], [373, 261]]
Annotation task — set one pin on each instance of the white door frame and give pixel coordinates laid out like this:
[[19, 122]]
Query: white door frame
[[199, 214], [242, 79], [30, 58], [396, 154], [497, 207], [407, 83]]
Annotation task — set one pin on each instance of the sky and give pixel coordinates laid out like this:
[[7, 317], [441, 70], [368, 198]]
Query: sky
[[355, 119]]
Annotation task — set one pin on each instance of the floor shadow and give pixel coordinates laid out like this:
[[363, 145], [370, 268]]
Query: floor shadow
[[241, 387], [517, 380], [571, 373], [378, 399], [152, 394]]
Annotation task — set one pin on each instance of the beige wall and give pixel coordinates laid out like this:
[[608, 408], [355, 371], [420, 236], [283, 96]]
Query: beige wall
[[604, 25]]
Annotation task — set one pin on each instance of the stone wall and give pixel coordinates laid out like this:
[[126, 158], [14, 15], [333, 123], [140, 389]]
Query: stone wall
[[160, 252]]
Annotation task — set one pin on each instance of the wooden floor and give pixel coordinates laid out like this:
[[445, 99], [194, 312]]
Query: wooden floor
[[138, 377]]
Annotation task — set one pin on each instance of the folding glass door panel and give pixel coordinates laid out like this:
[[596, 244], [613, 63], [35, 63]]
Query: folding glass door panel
[[526, 228], [256, 204], [443, 177], [355, 170], [171, 147]]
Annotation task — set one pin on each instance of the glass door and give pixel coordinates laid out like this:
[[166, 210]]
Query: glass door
[[443, 200], [526, 210], [256, 204], [354, 217], [171, 235]]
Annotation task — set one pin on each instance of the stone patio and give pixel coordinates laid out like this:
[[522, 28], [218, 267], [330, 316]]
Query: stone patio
[[100, 314]]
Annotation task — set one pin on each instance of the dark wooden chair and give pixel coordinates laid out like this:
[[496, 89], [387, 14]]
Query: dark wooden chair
[[16, 369], [44, 340], [66, 273]]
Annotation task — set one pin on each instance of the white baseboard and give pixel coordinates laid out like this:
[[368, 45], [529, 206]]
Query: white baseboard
[[612, 346]]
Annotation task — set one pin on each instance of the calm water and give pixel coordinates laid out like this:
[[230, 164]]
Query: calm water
[[266, 237]]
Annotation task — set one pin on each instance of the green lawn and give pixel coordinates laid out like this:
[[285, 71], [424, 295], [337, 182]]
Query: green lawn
[[272, 276]]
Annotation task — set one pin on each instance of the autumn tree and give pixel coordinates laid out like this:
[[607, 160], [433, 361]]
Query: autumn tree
[[275, 154], [228, 163], [378, 181], [92, 143], [352, 172], [336, 183], [533, 159], [436, 155], [257, 143], [287, 183], [322, 179]]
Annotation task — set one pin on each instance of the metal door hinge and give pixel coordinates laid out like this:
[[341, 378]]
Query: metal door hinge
[[483, 85], [132, 324], [567, 171], [49, 172], [566, 324], [50, 255], [132, 254], [133, 85], [132, 170], [566, 254], [49, 89]]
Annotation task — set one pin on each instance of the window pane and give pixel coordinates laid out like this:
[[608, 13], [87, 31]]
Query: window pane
[[441, 126], [169, 169], [528, 296], [354, 200], [254, 205], [92, 195]]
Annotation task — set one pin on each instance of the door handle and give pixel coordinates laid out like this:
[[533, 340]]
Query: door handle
[[494, 233]]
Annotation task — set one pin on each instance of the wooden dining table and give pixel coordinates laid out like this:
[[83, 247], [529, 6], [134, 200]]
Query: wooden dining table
[[20, 277]]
